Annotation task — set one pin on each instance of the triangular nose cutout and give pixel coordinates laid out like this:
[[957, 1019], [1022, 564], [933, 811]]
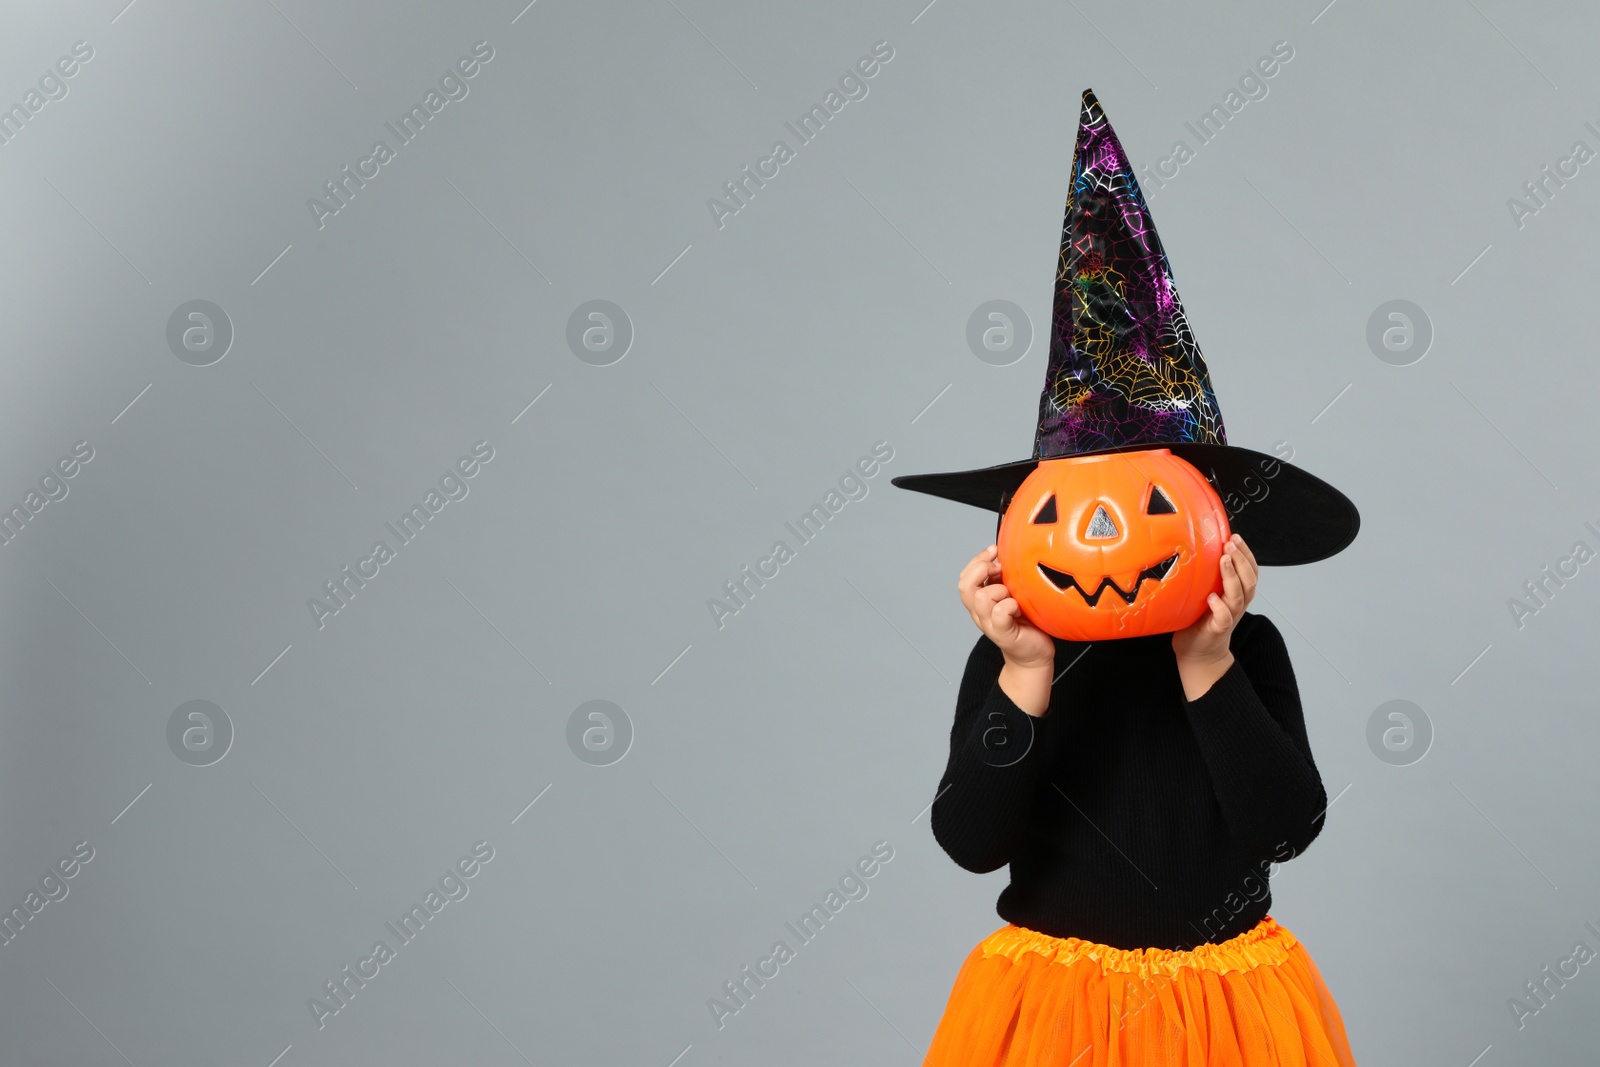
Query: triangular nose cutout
[[1101, 525]]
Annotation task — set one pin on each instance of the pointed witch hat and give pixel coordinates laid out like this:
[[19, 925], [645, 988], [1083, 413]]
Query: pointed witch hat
[[1124, 374]]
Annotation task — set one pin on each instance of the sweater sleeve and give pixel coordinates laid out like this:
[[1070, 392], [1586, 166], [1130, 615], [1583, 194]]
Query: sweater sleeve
[[981, 811], [1252, 735]]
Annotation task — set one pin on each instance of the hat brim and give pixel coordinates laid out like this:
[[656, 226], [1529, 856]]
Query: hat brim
[[1288, 516]]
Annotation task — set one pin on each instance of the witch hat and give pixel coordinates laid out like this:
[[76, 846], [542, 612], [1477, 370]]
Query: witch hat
[[1124, 373]]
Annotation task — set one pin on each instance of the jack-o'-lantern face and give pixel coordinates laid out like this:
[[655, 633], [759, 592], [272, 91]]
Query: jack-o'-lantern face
[[1116, 545]]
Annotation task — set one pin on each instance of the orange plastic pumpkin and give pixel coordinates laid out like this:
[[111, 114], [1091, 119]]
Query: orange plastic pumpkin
[[1115, 545]]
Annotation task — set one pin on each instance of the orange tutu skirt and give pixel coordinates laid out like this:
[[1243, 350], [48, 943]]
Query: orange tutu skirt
[[1025, 999]]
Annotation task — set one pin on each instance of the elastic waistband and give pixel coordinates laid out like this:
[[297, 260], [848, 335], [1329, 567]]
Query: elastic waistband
[[1266, 943]]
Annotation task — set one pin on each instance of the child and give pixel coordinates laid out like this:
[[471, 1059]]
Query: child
[[1140, 788]]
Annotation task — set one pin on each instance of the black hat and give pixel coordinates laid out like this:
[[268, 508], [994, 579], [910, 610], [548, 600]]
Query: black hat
[[1125, 374]]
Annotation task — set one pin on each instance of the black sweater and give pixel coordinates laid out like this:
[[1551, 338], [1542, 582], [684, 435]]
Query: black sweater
[[1129, 815]]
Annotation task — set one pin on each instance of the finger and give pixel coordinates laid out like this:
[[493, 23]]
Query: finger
[[973, 576], [1008, 616], [975, 566], [1229, 572], [984, 564], [1000, 622], [965, 585], [1219, 621], [981, 608], [1249, 576], [968, 597], [991, 595], [1232, 589], [1245, 549], [1249, 570], [1244, 562], [991, 578]]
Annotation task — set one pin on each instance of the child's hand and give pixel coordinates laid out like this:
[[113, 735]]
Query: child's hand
[[999, 616], [1202, 648]]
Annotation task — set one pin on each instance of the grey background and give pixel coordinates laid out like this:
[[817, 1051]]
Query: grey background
[[769, 754]]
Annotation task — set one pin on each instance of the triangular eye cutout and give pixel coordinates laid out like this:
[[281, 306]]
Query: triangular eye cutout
[[1101, 525], [1159, 504], [1047, 514]]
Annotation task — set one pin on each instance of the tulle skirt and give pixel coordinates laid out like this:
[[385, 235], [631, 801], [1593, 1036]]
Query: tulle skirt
[[1025, 999]]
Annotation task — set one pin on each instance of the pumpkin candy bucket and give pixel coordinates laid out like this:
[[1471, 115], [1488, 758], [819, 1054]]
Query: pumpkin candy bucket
[[1120, 544]]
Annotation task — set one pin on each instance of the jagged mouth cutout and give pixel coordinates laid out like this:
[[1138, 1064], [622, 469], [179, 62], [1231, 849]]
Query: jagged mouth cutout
[[1101, 526], [1064, 581]]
